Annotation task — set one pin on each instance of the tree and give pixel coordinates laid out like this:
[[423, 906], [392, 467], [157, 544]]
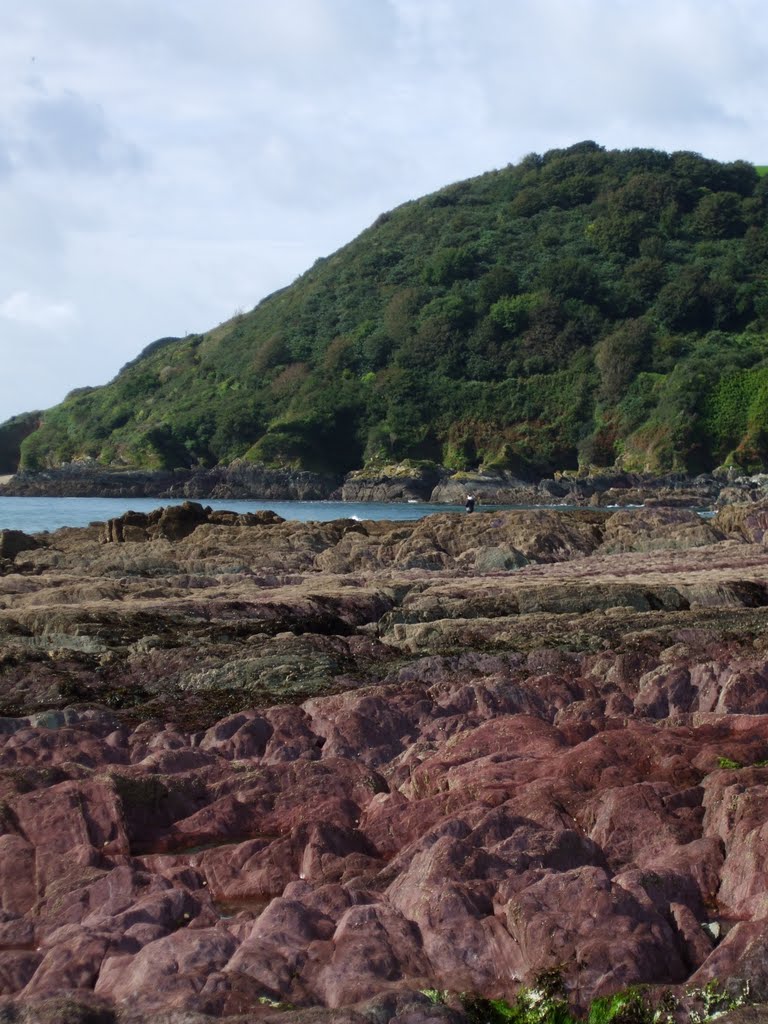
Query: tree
[[719, 215], [620, 355]]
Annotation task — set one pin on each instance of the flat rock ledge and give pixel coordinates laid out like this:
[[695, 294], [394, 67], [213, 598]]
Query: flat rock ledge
[[319, 772]]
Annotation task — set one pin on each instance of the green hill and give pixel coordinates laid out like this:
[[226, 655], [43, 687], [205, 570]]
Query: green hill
[[584, 307]]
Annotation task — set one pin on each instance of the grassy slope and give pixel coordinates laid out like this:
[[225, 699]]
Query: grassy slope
[[584, 306]]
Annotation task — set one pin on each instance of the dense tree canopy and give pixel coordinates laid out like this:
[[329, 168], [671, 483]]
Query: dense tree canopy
[[583, 307]]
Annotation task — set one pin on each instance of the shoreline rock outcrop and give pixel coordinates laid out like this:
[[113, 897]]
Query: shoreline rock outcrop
[[260, 770], [397, 483], [239, 480]]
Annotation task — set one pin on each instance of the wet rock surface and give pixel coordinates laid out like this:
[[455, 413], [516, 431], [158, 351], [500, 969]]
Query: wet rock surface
[[261, 770]]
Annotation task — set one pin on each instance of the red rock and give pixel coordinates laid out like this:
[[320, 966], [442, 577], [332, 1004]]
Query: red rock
[[743, 953], [71, 959], [562, 917], [253, 870], [292, 736], [374, 948], [18, 882], [70, 821], [275, 952], [632, 825], [697, 944], [243, 735], [536, 788], [15, 931], [17, 967], [170, 972]]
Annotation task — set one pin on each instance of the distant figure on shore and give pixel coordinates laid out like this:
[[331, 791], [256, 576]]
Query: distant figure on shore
[[470, 506]]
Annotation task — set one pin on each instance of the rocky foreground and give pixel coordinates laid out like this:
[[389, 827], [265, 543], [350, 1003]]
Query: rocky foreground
[[290, 772]]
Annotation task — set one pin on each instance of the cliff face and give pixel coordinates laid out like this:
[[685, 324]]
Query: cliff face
[[12, 433], [248, 763]]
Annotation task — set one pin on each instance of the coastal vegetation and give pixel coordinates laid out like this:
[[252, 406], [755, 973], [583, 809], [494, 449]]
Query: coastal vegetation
[[581, 309], [545, 1003]]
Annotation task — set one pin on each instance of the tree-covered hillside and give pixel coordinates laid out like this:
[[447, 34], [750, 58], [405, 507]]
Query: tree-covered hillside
[[580, 308]]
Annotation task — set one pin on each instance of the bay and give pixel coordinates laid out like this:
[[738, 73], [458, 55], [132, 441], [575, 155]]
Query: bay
[[35, 515]]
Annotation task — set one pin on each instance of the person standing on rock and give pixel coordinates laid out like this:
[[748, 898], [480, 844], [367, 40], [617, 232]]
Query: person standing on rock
[[470, 506]]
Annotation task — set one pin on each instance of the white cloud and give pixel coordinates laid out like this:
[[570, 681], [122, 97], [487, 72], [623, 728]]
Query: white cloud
[[68, 133], [33, 311]]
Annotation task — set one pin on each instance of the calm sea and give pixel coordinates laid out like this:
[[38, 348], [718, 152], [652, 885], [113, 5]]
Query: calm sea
[[33, 515]]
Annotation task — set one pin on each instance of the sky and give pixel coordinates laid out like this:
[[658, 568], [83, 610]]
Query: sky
[[165, 164]]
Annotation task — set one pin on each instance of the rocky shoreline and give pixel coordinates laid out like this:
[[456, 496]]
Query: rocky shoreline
[[84, 480], [388, 484], [260, 770]]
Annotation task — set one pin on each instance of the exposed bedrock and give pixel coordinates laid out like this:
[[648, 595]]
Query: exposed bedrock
[[390, 483], [266, 770], [238, 480]]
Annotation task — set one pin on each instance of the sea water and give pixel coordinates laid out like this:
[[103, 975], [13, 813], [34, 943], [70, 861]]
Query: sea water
[[34, 515]]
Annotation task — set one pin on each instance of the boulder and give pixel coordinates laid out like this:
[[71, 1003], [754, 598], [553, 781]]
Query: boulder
[[12, 542], [747, 522]]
